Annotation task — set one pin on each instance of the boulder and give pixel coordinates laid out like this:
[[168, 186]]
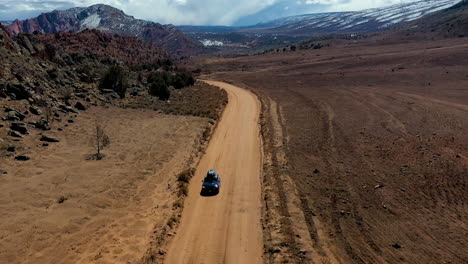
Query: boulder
[[50, 139], [12, 133], [106, 91], [18, 92], [35, 110], [19, 127], [42, 124], [8, 109], [80, 106], [3, 172], [396, 246], [22, 158], [15, 116], [67, 109], [109, 93]]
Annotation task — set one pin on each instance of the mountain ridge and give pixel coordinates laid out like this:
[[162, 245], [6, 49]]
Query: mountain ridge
[[111, 20], [368, 20]]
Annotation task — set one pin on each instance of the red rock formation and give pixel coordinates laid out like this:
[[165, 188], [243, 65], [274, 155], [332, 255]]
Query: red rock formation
[[129, 50], [110, 20]]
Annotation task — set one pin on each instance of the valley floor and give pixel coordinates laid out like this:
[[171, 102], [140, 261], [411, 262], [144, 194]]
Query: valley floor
[[366, 153]]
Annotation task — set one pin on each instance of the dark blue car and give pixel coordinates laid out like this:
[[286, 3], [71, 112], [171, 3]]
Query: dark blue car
[[211, 183]]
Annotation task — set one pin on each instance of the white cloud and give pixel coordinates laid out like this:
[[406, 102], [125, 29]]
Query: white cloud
[[195, 12]]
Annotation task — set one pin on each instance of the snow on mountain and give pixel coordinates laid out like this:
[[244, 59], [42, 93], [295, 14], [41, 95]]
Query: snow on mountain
[[366, 20], [91, 22]]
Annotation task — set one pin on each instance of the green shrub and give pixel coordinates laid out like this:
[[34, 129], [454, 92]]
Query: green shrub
[[114, 79], [165, 76], [159, 88], [178, 80], [50, 51], [182, 79], [318, 46]]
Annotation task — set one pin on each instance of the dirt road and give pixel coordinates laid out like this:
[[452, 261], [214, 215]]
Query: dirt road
[[226, 228]]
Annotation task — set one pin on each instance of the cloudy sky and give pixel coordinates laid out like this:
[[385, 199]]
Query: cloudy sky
[[196, 12]]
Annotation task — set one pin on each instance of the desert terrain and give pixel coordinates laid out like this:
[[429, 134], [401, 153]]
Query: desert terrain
[[60, 207], [340, 144], [366, 150]]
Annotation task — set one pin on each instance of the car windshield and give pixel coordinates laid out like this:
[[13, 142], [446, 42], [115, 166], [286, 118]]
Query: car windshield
[[211, 178]]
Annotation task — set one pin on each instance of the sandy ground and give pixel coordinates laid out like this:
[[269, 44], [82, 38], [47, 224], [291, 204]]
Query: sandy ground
[[226, 228], [112, 206], [366, 150]]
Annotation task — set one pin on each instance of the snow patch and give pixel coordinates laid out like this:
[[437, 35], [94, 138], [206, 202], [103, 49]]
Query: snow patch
[[211, 43], [91, 22]]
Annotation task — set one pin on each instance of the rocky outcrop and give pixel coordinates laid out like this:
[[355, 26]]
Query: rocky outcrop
[[49, 139], [19, 127], [35, 111], [14, 134], [22, 158], [80, 106], [18, 91], [42, 124], [93, 43], [14, 115]]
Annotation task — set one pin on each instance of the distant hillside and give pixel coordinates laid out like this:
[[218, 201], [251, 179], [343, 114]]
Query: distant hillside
[[129, 50], [110, 20], [361, 21], [450, 22]]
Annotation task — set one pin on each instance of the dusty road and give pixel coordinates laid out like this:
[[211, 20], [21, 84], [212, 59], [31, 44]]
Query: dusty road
[[226, 228]]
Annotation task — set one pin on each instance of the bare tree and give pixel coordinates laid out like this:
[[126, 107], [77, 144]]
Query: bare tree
[[100, 140], [49, 114]]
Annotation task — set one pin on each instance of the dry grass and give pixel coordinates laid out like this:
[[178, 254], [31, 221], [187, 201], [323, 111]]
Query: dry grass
[[186, 175], [201, 100], [184, 179]]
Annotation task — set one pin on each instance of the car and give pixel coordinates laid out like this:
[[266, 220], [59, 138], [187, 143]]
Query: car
[[211, 183]]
